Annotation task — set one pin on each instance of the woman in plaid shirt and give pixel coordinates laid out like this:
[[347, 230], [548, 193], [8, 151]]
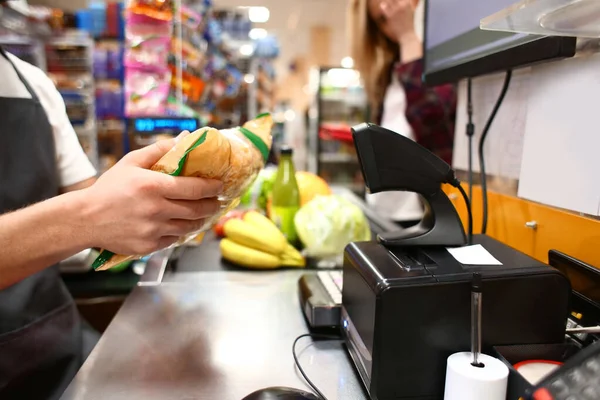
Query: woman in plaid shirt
[[387, 50]]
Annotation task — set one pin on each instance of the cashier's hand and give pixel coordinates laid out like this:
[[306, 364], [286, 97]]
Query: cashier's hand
[[137, 211]]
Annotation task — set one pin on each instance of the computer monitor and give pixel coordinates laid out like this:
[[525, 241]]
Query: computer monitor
[[455, 47]]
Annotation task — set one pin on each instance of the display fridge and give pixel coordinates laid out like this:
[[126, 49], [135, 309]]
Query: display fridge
[[339, 102]]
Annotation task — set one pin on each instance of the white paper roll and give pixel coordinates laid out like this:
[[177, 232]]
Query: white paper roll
[[466, 382]]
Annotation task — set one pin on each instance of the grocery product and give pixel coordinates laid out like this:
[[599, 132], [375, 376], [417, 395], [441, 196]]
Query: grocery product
[[246, 234], [233, 156], [255, 242], [218, 228], [256, 196], [327, 224], [285, 196], [148, 42], [146, 92], [147, 46], [311, 185], [246, 256], [157, 9]]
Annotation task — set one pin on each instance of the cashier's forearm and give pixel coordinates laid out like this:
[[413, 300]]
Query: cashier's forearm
[[41, 235]]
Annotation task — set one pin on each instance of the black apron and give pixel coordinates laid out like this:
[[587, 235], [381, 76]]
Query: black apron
[[41, 345]]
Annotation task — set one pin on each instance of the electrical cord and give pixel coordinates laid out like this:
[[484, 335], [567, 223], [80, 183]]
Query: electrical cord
[[484, 133], [456, 184], [314, 336], [470, 133]]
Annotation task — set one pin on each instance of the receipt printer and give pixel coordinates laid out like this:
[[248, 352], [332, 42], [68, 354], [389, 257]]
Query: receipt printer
[[405, 310], [406, 299]]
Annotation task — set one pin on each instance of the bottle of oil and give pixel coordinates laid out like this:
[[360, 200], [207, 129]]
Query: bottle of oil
[[285, 196]]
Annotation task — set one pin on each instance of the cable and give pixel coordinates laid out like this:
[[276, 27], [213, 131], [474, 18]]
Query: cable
[[456, 184], [470, 133], [315, 336], [481, 143]]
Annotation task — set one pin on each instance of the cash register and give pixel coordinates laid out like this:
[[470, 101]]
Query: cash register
[[405, 297]]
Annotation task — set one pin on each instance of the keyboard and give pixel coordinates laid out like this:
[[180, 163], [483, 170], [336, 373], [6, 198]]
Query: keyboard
[[321, 298], [332, 281]]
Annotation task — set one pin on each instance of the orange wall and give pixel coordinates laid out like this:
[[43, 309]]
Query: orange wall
[[575, 235]]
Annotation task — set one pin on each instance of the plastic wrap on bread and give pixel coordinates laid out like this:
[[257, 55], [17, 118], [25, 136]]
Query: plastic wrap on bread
[[233, 156]]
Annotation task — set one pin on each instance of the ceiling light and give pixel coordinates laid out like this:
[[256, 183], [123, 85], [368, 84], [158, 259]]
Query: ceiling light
[[258, 14], [347, 62], [246, 49], [257, 33]]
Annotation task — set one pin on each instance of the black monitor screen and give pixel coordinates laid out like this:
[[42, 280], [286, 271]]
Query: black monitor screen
[[455, 46]]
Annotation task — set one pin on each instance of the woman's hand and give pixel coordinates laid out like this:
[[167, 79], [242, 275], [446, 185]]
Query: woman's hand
[[133, 210], [399, 16], [400, 22]]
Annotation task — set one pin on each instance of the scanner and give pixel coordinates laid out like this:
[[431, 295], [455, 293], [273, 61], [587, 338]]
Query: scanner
[[390, 161], [406, 299]]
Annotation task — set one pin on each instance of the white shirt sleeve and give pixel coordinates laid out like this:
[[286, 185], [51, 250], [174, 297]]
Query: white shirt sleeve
[[71, 161]]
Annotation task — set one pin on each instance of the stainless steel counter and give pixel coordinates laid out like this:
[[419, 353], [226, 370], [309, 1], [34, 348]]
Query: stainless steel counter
[[211, 335]]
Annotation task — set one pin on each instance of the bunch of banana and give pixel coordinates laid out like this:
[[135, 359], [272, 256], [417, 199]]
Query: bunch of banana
[[255, 242]]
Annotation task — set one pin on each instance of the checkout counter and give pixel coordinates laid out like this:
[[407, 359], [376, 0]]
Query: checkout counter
[[196, 327]]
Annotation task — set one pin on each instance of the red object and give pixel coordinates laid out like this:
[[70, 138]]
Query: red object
[[112, 20], [522, 363], [542, 394], [340, 132], [218, 228]]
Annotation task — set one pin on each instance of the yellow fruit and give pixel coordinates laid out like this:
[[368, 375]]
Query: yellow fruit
[[247, 257], [264, 224], [260, 221], [311, 185], [292, 257], [268, 240], [293, 263], [291, 253]]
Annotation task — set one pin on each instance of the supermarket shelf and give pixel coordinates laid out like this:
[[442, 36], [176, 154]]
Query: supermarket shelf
[[8, 39], [341, 122], [337, 158], [88, 130], [342, 98], [577, 18]]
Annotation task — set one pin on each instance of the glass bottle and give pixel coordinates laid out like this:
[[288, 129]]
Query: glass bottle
[[285, 195]]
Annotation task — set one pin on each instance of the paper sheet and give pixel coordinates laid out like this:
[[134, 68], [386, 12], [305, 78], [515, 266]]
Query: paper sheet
[[473, 255], [560, 156], [504, 142]]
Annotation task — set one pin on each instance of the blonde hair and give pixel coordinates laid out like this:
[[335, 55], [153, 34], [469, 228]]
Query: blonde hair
[[373, 53]]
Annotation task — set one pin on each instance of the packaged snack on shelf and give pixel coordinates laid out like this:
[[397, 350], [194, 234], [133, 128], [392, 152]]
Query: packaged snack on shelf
[[191, 56], [146, 92], [147, 42], [157, 9], [190, 18], [175, 109], [100, 63], [114, 60], [147, 52], [191, 86], [109, 100], [233, 156], [234, 81]]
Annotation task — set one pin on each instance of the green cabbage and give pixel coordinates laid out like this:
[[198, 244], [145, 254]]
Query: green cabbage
[[326, 224]]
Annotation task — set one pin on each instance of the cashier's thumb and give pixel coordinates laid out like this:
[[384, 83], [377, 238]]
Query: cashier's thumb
[[148, 156]]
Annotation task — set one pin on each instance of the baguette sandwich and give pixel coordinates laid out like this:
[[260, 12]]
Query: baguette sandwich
[[233, 156]]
